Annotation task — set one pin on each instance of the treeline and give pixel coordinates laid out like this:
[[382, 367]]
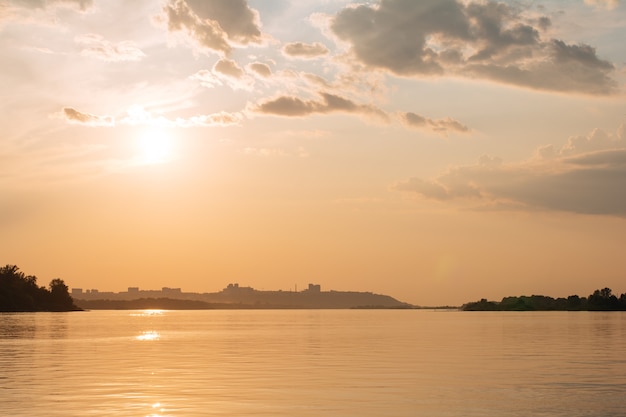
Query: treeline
[[20, 293], [599, 300]]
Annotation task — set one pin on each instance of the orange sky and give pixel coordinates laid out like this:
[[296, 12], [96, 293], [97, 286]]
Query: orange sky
[[438, 151]]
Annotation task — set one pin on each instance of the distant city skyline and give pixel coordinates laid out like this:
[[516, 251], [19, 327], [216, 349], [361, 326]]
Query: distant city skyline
[[234, 295], [235, 285]]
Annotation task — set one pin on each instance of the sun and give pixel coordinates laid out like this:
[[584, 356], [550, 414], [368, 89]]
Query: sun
[[155, 147]]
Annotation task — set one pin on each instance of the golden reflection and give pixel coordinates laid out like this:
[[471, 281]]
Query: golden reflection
[[151, 335], [158, 409], [149, 312]]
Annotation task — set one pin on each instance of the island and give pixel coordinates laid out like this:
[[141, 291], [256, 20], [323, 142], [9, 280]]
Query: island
[[599, 300], [234, 296], [20, 293]]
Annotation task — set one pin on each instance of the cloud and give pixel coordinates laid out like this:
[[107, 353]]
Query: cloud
[[225, 71], [260, 69], [76, 117], [591, 182], [216, 25], [137, 115], [235, 17], [596, 140], [606, 4], [81, 5], [305, 50], [97, 47], [22, 10], [214, 119], [442, 126], [484, 40], [275, 152], [291, 106], [228, 68], [206, 33]]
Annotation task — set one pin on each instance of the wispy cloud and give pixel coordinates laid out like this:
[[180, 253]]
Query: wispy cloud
[[137, 116], [74, 116], [305, 50], [275, 152], [81, 5], [606, 4], [97, 47], [442, 126], [215, 119], [23, 10]]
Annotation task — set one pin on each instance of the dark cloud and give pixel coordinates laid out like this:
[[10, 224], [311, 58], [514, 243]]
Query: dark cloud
[[206, 33], [291, 106], [261, 69], [489, 40], [443, 126], [229, 68], [589, 183], [610, 158], [213, 24], [235, 17], [305, 50]]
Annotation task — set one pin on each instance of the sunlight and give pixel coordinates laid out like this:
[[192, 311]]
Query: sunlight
[[149, 336], [148, 312], [157, 407], [155, 146]]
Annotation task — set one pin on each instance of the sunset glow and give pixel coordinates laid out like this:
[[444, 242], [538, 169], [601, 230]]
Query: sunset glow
[[438, 151]]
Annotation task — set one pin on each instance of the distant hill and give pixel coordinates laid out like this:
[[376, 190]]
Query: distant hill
[[235, 296]]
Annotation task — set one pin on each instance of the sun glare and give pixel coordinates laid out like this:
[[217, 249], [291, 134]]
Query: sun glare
[[151, 335], [155, 147]]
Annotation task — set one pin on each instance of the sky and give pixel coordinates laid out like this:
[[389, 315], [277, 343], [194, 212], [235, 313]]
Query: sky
[[438, 151]]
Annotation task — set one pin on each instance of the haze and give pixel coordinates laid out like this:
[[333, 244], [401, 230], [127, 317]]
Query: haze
[[438, 151]]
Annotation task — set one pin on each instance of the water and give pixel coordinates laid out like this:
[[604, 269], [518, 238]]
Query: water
[[313, 363]]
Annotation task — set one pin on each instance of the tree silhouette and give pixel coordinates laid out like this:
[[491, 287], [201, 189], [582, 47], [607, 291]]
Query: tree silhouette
[[59, 295], [603, 300], [600, 300], [19, 292]]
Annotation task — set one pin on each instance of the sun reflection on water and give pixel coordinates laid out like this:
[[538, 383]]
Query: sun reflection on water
[[151, 335], [158, 411], [157, 407], [149, 312]]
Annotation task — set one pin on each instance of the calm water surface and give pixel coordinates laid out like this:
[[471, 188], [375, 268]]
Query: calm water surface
[[381, 363]]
